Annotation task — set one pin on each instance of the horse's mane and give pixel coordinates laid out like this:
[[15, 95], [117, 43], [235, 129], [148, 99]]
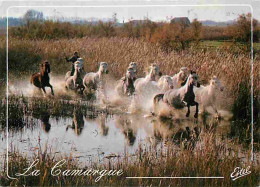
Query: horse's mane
[[187, 81], [45, 70]]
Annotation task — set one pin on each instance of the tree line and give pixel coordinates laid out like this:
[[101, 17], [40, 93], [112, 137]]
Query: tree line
[[170, 36]]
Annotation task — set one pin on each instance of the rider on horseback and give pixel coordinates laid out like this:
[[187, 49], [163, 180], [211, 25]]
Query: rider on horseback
[[73, 59]]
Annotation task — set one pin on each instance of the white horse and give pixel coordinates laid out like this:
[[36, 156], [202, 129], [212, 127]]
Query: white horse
[[207, 94], [93, 80], [147, 83], [180, 97], [125, 85], [75, 82], [165, 83], [80, 64], [133, 65], [180, 77]]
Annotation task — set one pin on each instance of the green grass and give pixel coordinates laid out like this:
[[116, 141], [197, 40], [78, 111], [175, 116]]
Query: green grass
[[217, 44], [256, 46]]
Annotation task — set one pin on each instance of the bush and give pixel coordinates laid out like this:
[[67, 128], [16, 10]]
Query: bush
[[241, 122]]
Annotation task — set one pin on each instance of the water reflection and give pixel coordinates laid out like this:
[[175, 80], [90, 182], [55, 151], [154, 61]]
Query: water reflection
[[177, 131], [100, 122], [77, 122], [45, 117], [92, 133], [124, 123]]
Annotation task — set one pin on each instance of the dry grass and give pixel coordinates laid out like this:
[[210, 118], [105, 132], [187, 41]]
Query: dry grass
[[233, 69]]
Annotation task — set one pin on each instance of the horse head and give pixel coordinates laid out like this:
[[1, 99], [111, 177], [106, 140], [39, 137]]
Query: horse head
[[79, 66], [193, 79], [168, 81], [155, 70], [183, 73], [133, 65], [130, 74], [46, 67], [216, 83], [80, 63], [103, 68], [129, 82]]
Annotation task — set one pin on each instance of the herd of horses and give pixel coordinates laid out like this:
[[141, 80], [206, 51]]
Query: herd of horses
[[180, 90]]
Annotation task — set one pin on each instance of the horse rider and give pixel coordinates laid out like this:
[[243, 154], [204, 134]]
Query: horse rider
[[73, 59]]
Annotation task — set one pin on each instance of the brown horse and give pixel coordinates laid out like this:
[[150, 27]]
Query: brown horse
[[42, 79]]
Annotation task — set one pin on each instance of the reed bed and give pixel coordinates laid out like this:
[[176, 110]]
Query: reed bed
[[19, 108], [233, 69]]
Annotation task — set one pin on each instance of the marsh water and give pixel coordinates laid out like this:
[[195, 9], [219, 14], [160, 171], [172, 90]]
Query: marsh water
[[97, 135]]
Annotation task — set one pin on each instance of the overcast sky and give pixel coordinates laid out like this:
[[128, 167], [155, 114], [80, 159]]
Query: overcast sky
[[156, 13]]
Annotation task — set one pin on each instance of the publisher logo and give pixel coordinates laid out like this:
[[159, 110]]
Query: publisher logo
[[240, 172]]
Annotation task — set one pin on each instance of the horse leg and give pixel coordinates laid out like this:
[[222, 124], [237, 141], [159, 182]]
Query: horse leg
[[75, 84], [188, 112], [216, 111], [81, 89], [52, 92], [43, 88], [202, 109], [197, 109]]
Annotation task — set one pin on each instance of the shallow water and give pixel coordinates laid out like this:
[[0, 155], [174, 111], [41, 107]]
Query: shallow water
[[90, 137]]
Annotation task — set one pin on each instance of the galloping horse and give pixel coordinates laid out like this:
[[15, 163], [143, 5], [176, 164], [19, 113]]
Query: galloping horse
[[42, 79], [181, 97], [146, 84], [125, 85]]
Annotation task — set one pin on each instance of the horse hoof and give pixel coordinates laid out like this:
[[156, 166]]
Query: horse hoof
[[187, 115], [196, 115], [217, 116]]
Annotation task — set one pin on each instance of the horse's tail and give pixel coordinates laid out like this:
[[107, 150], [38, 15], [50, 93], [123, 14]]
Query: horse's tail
[[156, 100], [32, 78]]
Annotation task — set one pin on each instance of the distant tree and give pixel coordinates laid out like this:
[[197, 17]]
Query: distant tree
[[128, 30], [147, 29], [106, 29], [197, 30], [177, 35], [165, 36], [184, 36], [32, 15], [241, 30]]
